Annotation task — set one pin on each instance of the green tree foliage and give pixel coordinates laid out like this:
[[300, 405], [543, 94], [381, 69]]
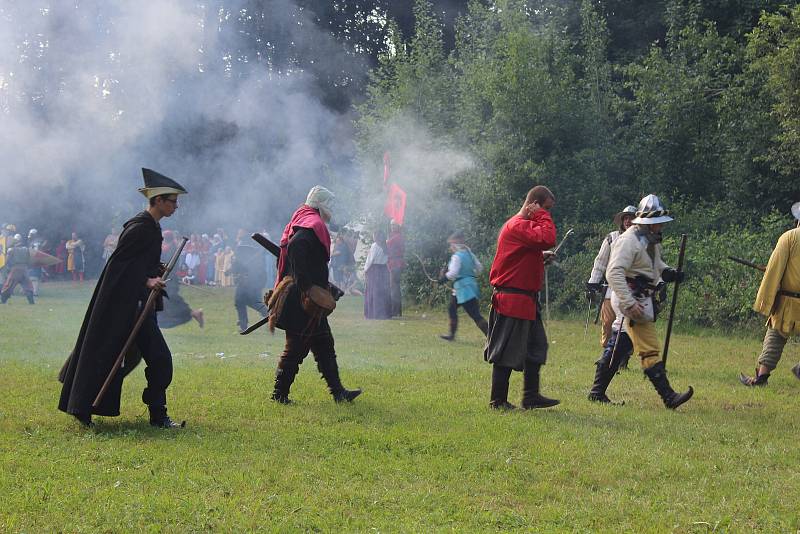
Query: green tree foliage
[[604, 101]]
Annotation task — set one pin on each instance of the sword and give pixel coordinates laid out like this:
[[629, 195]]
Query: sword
[[588, 313], [600, 304], [748, 263]]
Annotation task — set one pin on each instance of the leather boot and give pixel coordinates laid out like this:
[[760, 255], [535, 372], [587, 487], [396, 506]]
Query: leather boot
[[29, 295], [756, 380], [452, 335], [284, 376], [330, 372], [602, 378], [658, 376], [499, 395], [530, 393], [160, 419]]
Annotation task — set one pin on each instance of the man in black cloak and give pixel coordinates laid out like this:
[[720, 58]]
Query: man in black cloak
[[132, 271]]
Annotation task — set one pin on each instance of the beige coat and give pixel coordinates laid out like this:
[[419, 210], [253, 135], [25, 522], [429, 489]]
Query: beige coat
[[629, 259], [783, 272]]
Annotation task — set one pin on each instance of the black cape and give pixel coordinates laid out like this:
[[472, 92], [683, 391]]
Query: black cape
[[110, 318], [307, 262]]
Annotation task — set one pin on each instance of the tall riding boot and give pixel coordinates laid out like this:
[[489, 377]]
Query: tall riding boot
[[452, 335], [499, 395], [602, 378], [29, 295], [160, 419], [658, 376], [530, 392], [330, 372], [284, 376]]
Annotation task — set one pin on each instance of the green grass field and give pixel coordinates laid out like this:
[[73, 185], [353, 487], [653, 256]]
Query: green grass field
[[419, 451]]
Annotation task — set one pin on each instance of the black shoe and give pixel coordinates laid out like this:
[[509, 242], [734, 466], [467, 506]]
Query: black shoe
[[757, 380], [658, 377], [538, 401], [502, 405], [160, 419], [447, 337], [280, 399], [603, 399], [346, 395], [84, 419]]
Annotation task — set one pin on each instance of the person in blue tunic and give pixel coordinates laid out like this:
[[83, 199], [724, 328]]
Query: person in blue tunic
[[462, 270]]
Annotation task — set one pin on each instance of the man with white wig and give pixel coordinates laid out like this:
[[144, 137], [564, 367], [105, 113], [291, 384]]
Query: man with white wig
[[303, 298]]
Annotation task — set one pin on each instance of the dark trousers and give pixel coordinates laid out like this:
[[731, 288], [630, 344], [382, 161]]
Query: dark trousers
[[156, 354], [17, 275], [394, 292], [472, 307], [245, 298], [296, 349]]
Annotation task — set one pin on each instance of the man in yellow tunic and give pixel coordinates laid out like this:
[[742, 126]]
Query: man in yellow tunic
[[779, 300]]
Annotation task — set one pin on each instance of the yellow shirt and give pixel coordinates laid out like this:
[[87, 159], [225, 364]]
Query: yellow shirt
[[783, 272], [2, 251]]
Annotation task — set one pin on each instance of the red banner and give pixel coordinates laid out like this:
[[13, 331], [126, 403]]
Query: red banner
[[395, 207]]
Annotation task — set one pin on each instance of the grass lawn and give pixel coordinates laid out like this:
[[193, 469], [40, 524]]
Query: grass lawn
[[419, 451]]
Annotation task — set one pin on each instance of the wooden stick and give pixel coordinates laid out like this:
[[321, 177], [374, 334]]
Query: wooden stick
[[674, 299]]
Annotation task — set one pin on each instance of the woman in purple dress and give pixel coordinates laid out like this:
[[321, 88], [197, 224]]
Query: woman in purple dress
[[377, 300]]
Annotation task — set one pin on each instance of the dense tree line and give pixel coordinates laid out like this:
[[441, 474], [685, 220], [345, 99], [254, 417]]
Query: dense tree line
[[604, 101]]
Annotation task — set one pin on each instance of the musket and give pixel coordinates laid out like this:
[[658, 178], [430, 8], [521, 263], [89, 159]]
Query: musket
[[275, 250], [146, 309], [674, 298], [761, 268]]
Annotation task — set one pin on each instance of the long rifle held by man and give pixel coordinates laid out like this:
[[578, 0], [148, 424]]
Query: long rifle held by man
[[761, 268], [674, 298], [146, 309]]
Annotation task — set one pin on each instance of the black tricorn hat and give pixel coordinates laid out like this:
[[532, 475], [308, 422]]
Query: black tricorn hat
[[156, 184]]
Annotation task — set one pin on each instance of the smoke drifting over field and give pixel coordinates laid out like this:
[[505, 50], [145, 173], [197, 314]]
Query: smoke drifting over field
[[90, 92]]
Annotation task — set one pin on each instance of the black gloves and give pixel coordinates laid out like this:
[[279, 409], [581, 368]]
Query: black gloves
[[593, 287], [671, 275]]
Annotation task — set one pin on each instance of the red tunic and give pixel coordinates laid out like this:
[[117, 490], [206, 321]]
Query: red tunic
[[519, 264], [396, 245]]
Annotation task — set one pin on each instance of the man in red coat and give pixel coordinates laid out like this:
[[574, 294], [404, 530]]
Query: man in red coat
[[396, 245], [516, 338]]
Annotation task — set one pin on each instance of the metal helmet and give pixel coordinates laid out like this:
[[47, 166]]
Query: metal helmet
[[651, 211], [796, 210], [17, 238], [32, 231], [628, 210]]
